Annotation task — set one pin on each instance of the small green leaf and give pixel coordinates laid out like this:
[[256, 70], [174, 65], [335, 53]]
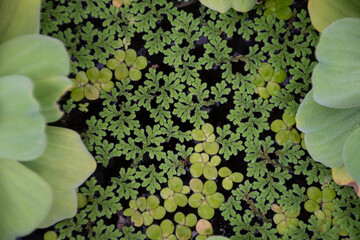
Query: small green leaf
[[266, 71], [141, 203], [134, 74], [166, 193], [198, 135], [237, 177], [148, 219], [170, 205], [140, 63], [183, 232], [137, 219], [180, 199], [154, 232], [195, 200], [167, 227], [211, 148], [209, 187], [209, 171], [196, 169], [215, 200], [206, 212], [190, 220], [158, 213], [130, 57], [227, 183], [196, 185], [176, 184], [224, 172], [152, 202], [121, 72], [180, 218], [278, 125]]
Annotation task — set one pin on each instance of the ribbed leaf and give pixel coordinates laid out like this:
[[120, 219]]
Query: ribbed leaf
[[324, 12], [65, 165], [336, 78], [351, 156], [25, 199], [326, 129], [21, 124], [19, 17], [45, 61]]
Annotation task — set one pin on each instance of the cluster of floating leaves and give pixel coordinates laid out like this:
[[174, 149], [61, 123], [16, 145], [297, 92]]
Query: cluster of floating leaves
[[284, 218], [267, 80], [285, 130], [127, 64], [279, 8], [88, 84], [321, 204]]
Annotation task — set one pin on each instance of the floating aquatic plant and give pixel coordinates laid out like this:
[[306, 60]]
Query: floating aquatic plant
[[201, 164], [175, 194], [229, 177], [99, 80], [163, 232], [284, 218], [204, 229], [127, 64], [284, 130], [267, 80], [145, 210], [205, 198], [279, 8], [183, 230]]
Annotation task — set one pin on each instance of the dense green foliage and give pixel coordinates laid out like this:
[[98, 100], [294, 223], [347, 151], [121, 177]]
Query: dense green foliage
[[201, 68]]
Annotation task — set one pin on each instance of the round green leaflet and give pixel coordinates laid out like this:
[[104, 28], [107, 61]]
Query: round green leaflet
[[148, 219], [196, 185], [130, 57], [152, 202], [215, 200], [167, 227], [209, 171], [176, 184], [196, 199], [140, 63], [204, 227], [121, 72], [205, 211], [211, 148], [170, 205], [180, 218], [180, 199], [183, 232], [50, 235], [224, 5], [154, 232], [134, 74], [198, 135], [190, 220], [209, 187]]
